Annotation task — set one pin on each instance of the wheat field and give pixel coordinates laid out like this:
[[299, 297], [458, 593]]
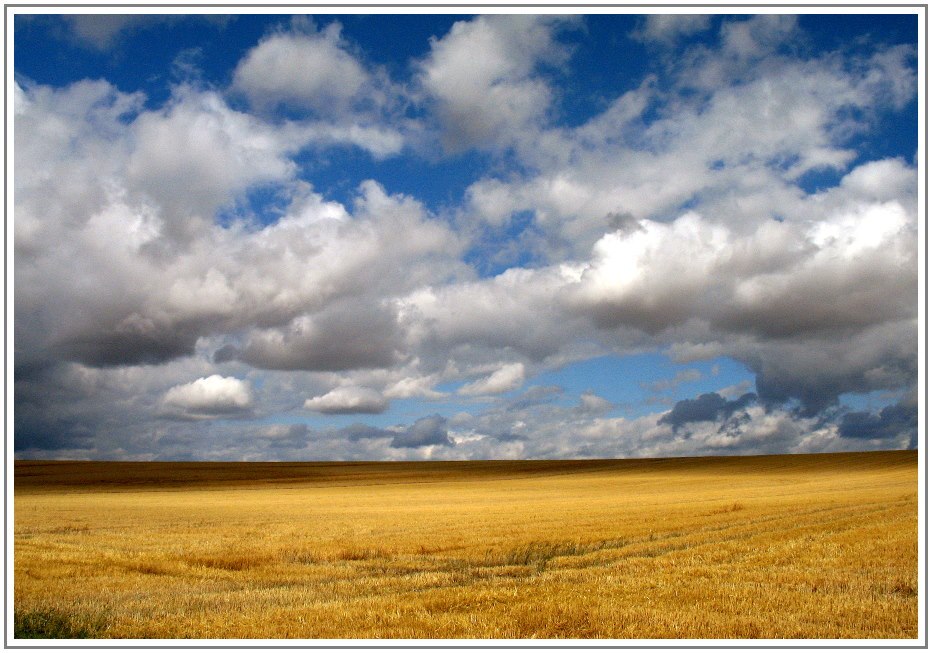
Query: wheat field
[[801, 546]]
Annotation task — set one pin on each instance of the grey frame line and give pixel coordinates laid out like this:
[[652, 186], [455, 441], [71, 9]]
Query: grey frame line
[[6, 189], [6, 643], [926, 16], [457, 5]]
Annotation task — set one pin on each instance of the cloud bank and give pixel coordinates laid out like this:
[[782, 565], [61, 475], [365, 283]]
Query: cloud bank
[[183, 277]]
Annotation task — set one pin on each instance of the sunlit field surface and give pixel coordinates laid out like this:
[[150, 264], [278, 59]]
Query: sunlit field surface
[[804, 546]]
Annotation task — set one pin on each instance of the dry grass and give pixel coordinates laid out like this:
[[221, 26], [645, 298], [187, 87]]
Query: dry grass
[[755, 547]]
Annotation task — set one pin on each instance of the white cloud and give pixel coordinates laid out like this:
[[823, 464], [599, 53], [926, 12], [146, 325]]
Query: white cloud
[[142, 269], [589, 402], [408, 387], [482, 77], [198, 155], [348, 400], [379, 140], [736, 149], [667, 28], [309, 69], [508, 377], [209, 397]]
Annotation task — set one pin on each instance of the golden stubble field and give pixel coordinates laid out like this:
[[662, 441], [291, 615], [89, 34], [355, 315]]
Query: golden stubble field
[[803, 546]]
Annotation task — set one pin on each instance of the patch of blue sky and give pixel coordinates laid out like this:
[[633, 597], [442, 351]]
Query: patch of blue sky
[[144, 52], [508, 246], [337, 172], [262, 205], [145, 62], [645, 383], [820, 179], [854, 32], [869, 401], [899, 136], [898, 139], [394, 40], [605, 62], [406, 411]]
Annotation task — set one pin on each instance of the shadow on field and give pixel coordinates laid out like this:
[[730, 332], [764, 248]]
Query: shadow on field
[[55, 624]]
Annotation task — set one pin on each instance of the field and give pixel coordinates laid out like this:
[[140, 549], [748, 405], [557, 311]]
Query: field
[[803, 546]]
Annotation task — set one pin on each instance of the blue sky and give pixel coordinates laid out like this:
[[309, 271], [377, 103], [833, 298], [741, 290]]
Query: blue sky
[[464, 236]]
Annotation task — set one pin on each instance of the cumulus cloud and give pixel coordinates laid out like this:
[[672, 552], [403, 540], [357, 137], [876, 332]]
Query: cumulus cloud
[[681, 217], [307, 68], [481, 75], [491, 318], [779, 280], [191, 158], [209, 397], [149, 272], [348, 400], [735, 148]]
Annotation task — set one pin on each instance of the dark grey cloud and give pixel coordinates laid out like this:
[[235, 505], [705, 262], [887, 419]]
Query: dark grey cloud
[[226, 353], [890, 422], [708, 407], [425, 431], [775, 389], [109, 349], [51, 433], [356, 432], [53, 410], [816, 372], [349, 336]]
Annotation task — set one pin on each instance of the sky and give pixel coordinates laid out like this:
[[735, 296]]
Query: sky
[[405, 237]]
